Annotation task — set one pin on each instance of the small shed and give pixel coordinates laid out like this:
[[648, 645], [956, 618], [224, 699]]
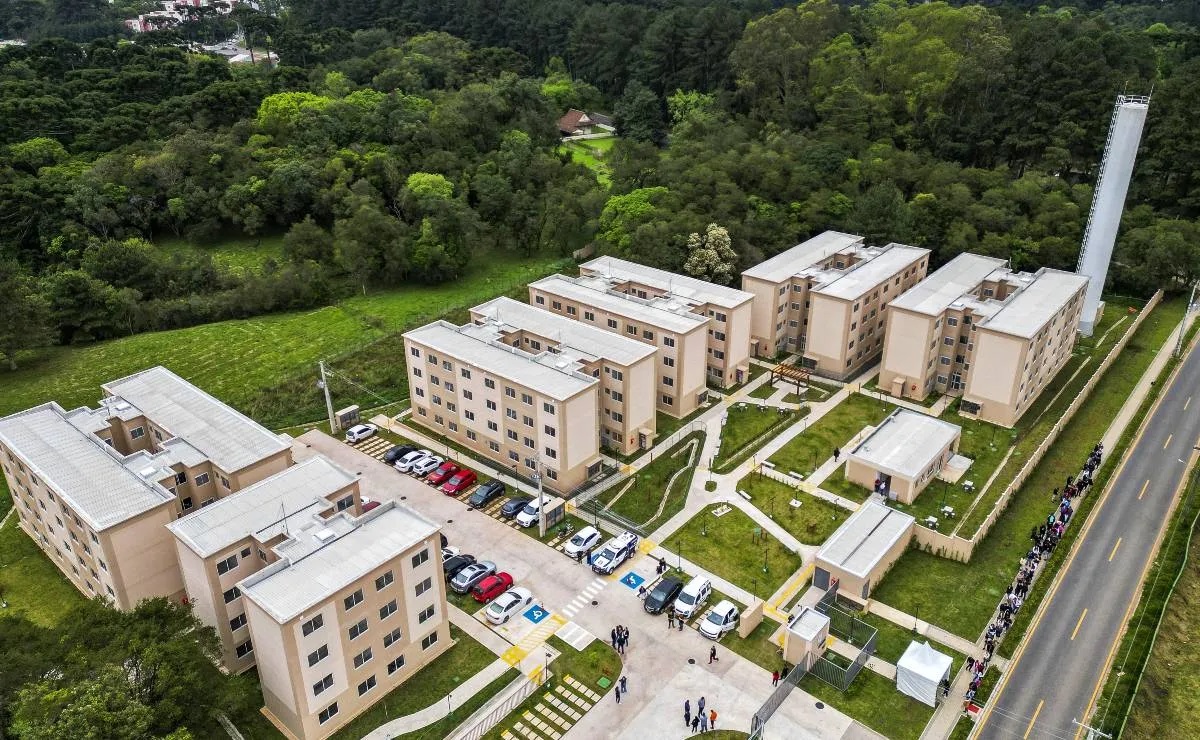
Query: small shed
[[805, 638], [904, 453], [859, 552], [920, 671]]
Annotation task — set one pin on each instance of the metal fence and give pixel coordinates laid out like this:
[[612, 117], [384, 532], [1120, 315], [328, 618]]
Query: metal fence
[[790, 681], [477, 726]]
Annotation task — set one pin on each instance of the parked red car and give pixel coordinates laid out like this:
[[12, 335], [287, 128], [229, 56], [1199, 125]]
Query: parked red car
[[368, 504], [459, 482], [491, 587], [442, 474]]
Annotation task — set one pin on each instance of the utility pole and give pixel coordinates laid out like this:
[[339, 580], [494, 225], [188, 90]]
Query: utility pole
[[537, 476], [1092, 732], [323, 384]]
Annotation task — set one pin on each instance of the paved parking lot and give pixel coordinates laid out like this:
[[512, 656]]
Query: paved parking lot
[[579, 602]]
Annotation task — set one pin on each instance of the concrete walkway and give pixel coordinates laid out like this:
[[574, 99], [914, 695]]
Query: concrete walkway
[[931, 631], [850, 652], [440, 708], [478, 631]]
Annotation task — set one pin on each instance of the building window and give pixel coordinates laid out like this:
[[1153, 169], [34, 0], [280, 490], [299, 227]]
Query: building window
[[318, 655], [323, 685], [345, 503], [551, 453], [387, 609], [366, 686], [425, 615], [424, 586], [550, 431], [612, 323], [363, 658], [244, 649], [202, 479], [358, 629], [391, 637], [414, 352], [948, 341], [489, 383], [527, 420], [551, 474], [353, 599], [420, 558], [312, 625], [232, 594], [556, 305], [465, 373], [468, 395], [668, 400], [429, 641], [491, 405], [631, 329], [951, 321], [417, 372], [471, 435], [327, 712], [493, 446], [226, 565], [945, 360], [395, 665], [225, 483], [540, 300], [237, 622], [589, 316], [647, 335], [511, 413], [510, 391], [137, 433], [384, 581], [511, 435], [668, 380]]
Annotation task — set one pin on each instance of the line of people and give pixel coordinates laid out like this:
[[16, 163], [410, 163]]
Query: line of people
[[1045, 538], [700, 722]]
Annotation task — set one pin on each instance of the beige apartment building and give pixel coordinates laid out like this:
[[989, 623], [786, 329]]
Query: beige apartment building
[[825, 299], [349, 609], [975, 328], [626, 368], [238, 536], [532, 411], [728, 350], [95, 488]]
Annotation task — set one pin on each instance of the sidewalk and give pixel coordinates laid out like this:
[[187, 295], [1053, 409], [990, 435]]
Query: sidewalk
[[478, 631], [440, 708], [879, 665]]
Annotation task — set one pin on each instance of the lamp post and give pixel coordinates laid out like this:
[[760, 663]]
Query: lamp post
[[537, 476]]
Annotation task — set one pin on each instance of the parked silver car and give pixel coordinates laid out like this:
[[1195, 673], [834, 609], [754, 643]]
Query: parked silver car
[[472, 574]]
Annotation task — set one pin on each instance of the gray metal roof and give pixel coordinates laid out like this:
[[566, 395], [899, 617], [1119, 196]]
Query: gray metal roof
[[469, 344], [906, 442], [861, 542], [228, 438], [334, 555], [866, 275], [266, 509], [510, 315], [89, 474], [810, 624], [802, 256], [681, 286], [948, 284], [1044, 294], [670, 314]]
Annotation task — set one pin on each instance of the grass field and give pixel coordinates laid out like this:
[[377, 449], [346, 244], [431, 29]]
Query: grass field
[[590, 153], [839, 484], [728, 546], [748, 427], [640, 503], [31, 584], [425, 687], [923, 584], [238, 253], [813, 446], [266, 366], [811, 523], [874, 701], [757, 647]]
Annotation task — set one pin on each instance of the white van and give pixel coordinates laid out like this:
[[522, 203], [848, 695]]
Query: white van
[[692, 597]]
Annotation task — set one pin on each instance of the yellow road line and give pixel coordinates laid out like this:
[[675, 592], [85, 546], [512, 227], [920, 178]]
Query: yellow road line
[[1080, 622], [1143, 492], [1169, 438], [1033, 719], [1114, 550]]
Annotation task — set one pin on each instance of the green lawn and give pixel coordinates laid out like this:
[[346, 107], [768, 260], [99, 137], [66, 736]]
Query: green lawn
[[588, 666], [666, 425], [962, 729], [815, 445], [590, 153], [238, 253], [426, 686], [931, 587], [266, 366], [746, 428], [443, 727], [5, 497], [640, 503], [893, 640], [722, 734], [757, 647], [728, 546], [31, 584], [839, 484], [874, 701], [811, 523]]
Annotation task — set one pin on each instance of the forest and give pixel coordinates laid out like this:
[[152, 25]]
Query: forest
[[400, 141]]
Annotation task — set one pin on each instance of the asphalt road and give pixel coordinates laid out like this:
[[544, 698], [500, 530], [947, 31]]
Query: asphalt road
[[1057, 675]]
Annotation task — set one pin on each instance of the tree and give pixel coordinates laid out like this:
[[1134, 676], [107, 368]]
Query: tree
[[103, 707], [639, 114], [306, 240], [24, 314], [81, 306], [711, 256]]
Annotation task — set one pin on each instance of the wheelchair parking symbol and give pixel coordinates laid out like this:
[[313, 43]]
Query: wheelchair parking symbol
[[536, 614], [633, 580]]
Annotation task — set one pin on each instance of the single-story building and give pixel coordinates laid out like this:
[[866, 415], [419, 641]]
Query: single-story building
[[579, 123], [903, 454], [862, 550], [805, 638]]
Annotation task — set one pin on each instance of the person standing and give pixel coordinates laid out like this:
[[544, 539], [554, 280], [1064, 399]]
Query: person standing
[[624, 688], [614, 638], [695, 723], [687, 712], [774, 678], [712, 719], [679, 622], [700, 706], [703, 723], [670, 620], [712, 655], [617, 694]]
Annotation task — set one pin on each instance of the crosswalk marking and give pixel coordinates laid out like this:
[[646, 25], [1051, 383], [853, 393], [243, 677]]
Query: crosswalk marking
[[584, 597]]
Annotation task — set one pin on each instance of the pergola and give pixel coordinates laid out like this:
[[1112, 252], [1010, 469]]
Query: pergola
[[794, 374]]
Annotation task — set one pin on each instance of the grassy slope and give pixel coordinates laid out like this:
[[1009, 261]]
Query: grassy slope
[[815, 445], [241, 361], [811, 523], [236, 253], [932, 587], [746, 429], [639, 503], [729, 550], [32, 584], [874, 701]]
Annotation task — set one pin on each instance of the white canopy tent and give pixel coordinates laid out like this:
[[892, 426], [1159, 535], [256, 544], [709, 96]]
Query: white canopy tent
[[920, 670]]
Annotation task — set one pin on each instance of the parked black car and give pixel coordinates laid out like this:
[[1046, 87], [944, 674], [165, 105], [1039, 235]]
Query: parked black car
[[513, 506], [452, 566], [486, 493], [662, 595], [397, 452]]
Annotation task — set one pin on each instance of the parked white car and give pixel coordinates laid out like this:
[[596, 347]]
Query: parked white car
[[507, 604], [722, 619], [405, 463], [359, 432], [426, 465], [449, 552], [584, 540]]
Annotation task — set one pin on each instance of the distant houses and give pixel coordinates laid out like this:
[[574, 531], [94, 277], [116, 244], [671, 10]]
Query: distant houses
[[578, 123]]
